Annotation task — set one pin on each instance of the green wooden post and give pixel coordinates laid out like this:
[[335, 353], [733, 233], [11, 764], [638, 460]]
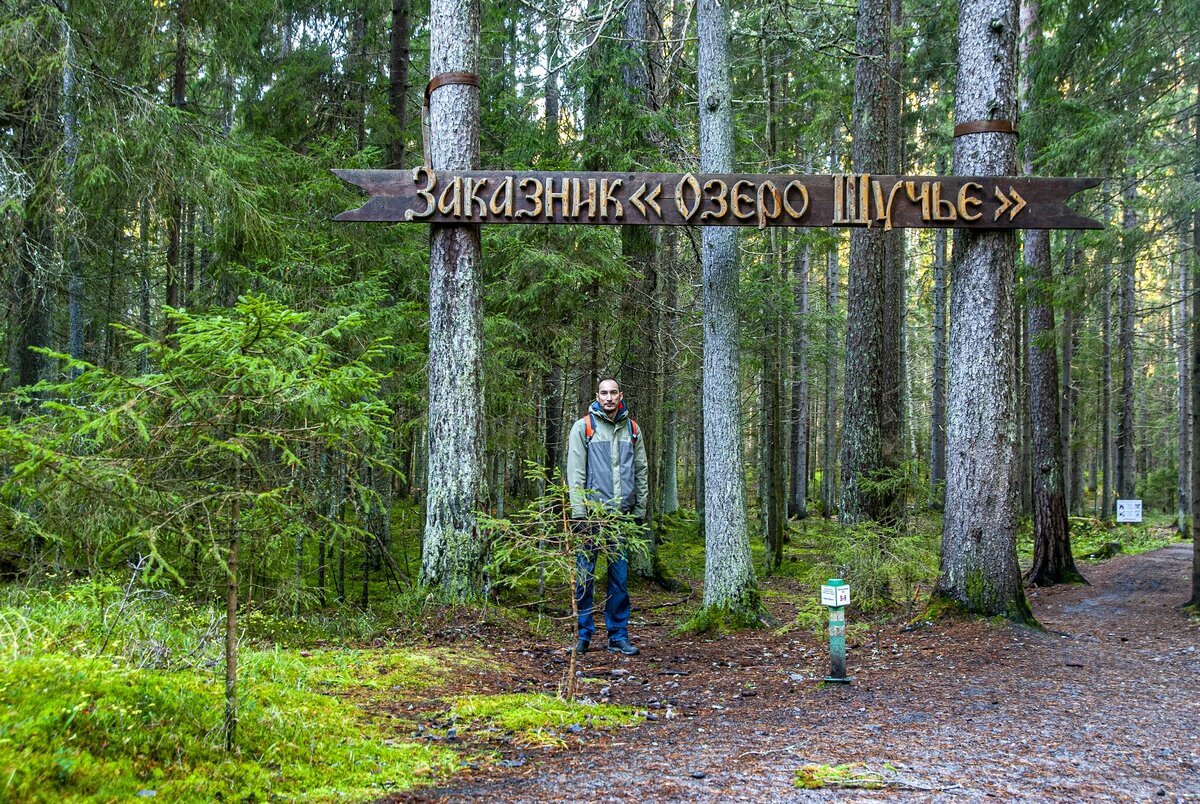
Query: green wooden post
[[836, 595]]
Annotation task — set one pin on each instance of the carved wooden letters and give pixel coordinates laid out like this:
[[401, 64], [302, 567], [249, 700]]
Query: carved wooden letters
[[886, 202]]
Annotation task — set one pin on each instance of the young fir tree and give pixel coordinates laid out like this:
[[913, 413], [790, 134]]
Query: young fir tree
[[199, 458]]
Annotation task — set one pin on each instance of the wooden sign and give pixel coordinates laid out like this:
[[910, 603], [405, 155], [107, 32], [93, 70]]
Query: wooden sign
[[674, 199]]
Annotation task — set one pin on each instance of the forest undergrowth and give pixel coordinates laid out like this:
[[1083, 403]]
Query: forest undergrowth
[[112, 688]]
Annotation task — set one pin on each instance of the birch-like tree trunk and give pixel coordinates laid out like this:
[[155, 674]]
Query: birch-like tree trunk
[[1125, 468], [1052, 560], [729, 583], [979, 569], [453, 548]]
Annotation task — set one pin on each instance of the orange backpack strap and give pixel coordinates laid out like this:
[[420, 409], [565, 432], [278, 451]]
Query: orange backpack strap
[[589, 429], [634, 432]]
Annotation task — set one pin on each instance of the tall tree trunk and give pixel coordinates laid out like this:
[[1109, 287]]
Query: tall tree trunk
[[698, 443], [553, 36], [892, 416], [174, 297], [639, 310], [937, 425], [1125, 465], [340, 499], [553, 443], [1106, 469], [1052, 560], [979, 569], [398, 62], [1195, 496], [36, 143], [729, 582], [231, 601], [1183, 518], [829, 490], [453, 548], [670, 428], [1072, 458], [75, 312], [798, 491], [1025, 434], [871, 406], [770, 480], [771, 475], [358, 74], [144, 300]]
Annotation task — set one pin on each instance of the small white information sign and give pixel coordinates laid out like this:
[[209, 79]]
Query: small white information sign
[[1129, 510], [835, 595]]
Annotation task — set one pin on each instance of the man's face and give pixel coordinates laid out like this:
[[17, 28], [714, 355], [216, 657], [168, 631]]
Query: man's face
[[609, 396]]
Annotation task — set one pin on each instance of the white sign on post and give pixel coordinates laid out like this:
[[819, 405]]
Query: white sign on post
[[835, 595], [1129, 510]]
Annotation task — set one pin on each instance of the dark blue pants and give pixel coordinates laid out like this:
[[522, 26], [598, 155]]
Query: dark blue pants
[[616, 607]]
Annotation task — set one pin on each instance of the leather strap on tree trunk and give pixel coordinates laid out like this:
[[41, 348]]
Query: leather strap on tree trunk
[[438, 81], [985, 126]]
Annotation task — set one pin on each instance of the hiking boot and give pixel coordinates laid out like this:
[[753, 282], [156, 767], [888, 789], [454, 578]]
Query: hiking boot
[[622, 646], [581, 647]]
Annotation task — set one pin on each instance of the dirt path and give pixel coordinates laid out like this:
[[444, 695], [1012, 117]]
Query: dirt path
[[1103, 705]]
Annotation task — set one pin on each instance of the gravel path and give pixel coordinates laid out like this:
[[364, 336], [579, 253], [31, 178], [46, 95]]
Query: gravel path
[[1104, 705]]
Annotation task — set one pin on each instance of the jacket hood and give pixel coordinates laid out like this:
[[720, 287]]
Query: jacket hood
[[621, 415]]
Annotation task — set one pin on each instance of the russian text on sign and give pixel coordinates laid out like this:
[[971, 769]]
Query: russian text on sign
[[975, 202]]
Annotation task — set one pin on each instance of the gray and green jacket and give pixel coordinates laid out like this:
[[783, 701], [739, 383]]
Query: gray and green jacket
[[611, 468]]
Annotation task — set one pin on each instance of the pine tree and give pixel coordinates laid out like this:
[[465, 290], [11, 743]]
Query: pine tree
[[979, 568], [452, 552], [729, 583], [870, 431], [1052, 560]]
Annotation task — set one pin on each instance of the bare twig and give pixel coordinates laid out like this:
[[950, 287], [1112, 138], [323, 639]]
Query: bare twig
[[679, 602], [787, 749], [137, 569]]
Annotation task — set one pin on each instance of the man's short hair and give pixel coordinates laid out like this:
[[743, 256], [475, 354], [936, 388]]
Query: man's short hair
[[603, 380]]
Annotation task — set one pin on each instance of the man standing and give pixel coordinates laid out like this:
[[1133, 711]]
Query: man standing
[[606, 463]]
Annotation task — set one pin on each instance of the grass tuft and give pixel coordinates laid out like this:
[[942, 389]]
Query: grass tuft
[[529, 714], [851, 775]]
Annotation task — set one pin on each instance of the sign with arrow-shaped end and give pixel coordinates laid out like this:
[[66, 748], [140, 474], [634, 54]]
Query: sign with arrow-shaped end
[[709, 199], [1012, 202]]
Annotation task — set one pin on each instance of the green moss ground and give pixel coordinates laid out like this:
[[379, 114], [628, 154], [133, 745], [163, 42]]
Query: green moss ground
[[106, 696]]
